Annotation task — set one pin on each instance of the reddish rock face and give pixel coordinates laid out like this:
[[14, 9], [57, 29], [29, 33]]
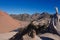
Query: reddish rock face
[[7, 23]]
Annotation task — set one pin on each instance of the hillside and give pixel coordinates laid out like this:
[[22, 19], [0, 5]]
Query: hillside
[[7, 23]]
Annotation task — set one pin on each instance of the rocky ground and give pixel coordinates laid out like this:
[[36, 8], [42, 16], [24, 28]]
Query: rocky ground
[[6, 36], [46, 36], [27, 23]]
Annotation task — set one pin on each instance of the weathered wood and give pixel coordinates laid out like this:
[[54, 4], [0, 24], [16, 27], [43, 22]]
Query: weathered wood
[[56, 21]]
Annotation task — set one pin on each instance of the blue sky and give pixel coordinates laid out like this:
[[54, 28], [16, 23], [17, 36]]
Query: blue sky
[[29, 6]]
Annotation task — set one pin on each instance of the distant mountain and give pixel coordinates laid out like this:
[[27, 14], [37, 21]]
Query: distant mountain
[[35, 16], [22, 17], [27, 17]]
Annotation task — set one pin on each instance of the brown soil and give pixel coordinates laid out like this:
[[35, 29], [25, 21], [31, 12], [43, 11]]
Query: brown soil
[[7, 23]]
